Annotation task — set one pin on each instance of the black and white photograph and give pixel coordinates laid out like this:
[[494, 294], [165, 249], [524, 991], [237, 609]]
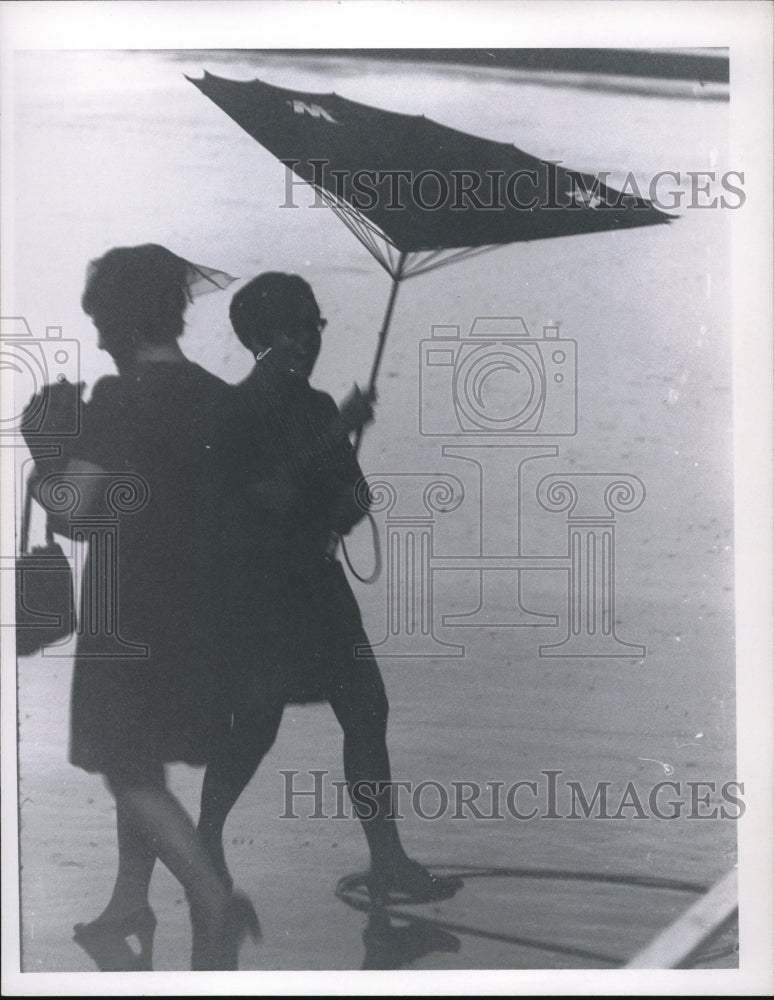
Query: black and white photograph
[[386, 509]]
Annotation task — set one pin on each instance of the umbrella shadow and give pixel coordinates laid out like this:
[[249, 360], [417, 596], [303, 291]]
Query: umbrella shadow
[[400, 945]]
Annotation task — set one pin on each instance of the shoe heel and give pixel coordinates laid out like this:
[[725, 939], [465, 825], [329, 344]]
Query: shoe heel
[[247, 917], [145, 932], [106, 941], [217, 949]]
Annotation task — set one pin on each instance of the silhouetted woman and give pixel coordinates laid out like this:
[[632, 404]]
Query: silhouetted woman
[[298, 626], [156, 421]]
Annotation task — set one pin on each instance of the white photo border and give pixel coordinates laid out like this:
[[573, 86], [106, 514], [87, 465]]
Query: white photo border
[[745, 28]]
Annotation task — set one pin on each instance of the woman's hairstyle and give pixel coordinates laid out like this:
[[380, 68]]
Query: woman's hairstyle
[[271, 301], [141, 289]]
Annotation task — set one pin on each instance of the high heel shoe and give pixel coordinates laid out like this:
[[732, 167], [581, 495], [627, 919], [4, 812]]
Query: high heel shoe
[[219, 950], [408, 881], [245, 917], [106, 941]]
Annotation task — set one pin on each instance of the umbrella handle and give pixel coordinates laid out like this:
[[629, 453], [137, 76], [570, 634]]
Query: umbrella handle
[[358, 439]]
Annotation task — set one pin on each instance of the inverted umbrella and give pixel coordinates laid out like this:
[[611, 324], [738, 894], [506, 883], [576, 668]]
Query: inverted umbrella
[[417, 194]]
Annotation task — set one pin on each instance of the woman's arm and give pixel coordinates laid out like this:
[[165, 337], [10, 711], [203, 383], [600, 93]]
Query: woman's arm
[[81, 475], [287, 491], [326, 447]]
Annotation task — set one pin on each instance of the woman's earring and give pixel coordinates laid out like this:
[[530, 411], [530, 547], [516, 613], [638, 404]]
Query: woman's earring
[[262, 354]]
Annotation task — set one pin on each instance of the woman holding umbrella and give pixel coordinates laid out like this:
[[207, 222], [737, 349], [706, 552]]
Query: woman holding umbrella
[[297, 623]]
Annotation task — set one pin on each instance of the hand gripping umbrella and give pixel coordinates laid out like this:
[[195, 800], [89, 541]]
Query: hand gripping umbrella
[[419, 195]]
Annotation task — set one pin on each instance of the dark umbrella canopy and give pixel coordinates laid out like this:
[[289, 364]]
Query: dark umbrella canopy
[[419, 185], [417, 194]]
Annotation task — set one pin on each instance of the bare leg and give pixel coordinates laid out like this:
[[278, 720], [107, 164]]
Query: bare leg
[[135, 867], [360, 705], [219, 920], [127, 915], [154, 817], [256, 722], [152, 823]]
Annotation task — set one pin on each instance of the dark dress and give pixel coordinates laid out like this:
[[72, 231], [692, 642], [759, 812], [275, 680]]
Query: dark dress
[[160, 422], [299, 621]]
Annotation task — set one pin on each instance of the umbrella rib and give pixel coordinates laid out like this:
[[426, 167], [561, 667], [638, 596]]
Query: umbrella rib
[[428, 256], [389, 248], [341, 206], [361, 235], [365, 231], [371, 227], [383, 250], [424, 268]]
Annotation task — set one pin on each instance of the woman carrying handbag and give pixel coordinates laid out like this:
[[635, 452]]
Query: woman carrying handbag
[[156, 420]]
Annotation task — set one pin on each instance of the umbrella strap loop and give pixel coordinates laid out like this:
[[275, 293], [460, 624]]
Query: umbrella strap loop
[[377, 570]]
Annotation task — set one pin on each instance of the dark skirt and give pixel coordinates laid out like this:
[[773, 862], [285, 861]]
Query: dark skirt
[[302, 626], [128, 714]]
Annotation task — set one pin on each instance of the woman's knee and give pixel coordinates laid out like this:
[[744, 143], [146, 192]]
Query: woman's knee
[[139, 774], [379, 706], [363, 712]]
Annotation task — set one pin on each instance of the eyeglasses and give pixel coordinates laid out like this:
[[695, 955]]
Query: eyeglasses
[[294, 332], [314, 325]]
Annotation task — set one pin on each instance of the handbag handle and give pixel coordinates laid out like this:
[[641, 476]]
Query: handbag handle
[[27, 517]]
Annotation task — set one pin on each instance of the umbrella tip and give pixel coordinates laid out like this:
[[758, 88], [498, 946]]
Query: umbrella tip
[[196, 83]]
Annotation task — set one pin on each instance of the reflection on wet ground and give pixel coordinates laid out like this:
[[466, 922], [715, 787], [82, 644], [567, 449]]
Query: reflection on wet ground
[[394, 937], [397, 944], [403, 933]]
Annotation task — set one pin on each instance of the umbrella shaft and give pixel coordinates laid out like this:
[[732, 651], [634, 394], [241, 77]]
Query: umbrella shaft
[[385, 326], [398, 275], [333, 541]]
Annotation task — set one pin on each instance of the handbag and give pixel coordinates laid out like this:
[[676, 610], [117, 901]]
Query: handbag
[[45, 605]]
